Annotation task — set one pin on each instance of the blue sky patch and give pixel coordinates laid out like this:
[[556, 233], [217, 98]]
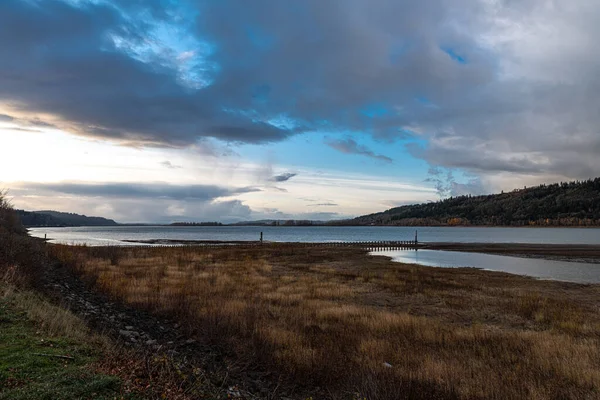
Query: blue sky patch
[[454, 55]]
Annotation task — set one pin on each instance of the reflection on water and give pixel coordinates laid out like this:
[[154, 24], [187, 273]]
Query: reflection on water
[[539, 268]]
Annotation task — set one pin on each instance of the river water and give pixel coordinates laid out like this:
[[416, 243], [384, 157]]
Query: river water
[[535, 267], [96, 236]]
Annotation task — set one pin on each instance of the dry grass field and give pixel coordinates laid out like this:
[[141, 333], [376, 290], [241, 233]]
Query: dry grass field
[[362, 326]]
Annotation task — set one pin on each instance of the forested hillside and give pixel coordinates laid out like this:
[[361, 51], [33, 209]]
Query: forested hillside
[[561, 204], [55, 218]]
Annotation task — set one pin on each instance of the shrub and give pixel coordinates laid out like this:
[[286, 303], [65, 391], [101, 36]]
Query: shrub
[[20, 255]]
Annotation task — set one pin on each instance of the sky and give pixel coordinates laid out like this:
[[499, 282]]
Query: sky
[[230, 110]]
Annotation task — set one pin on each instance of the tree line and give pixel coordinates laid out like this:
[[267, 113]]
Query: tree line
[[574, 203]]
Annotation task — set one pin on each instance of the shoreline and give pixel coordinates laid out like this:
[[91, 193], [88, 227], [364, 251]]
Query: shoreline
[[580, 253], [583, 253], [319, 226], [541, 250]]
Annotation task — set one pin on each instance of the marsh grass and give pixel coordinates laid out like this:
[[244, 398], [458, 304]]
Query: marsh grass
[[364, 326]]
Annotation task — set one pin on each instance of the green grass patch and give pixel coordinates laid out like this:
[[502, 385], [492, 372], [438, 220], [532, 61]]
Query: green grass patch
[[37, 365]]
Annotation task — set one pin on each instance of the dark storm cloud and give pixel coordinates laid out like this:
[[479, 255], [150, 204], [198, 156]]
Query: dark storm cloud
[[283, 177], [326, 61], [489, 86], [349, 146], [62, 60], [138, 190]]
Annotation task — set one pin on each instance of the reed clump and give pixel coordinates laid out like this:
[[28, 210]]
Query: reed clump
[[363, 326]]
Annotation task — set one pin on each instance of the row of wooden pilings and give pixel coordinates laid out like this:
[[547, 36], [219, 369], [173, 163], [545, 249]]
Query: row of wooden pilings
[[369, 245]]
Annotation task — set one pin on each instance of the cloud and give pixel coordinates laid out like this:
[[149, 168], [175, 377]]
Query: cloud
[[276, 214], [162, 211], [323, 205], [222, 211], [150, 203], [350, 146], [168, 164], [81, 67], [489, 87], [283, 177], [18, 129], [446, 185], [264, 175], [133, 202], [135, 190], [277, 189]]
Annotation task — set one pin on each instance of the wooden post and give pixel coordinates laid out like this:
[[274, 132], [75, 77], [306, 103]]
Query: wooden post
[[261, 238], [416, 237]]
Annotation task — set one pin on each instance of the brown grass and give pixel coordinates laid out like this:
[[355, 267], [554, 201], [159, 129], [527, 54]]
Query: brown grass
[[52, 320], [363, 326]]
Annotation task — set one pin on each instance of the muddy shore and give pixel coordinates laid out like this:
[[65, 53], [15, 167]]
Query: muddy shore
[[560, 252]]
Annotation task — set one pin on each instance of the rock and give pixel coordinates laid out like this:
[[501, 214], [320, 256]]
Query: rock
[[234, 392], [129, 327], [150, 342], [387, 365], [127, 333]]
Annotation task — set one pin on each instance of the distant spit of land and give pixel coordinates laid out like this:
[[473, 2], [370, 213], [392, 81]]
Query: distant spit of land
[[32, 219]]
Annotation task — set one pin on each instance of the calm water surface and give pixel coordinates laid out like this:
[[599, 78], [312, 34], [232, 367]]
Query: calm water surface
[[536, 267], [96, 236]]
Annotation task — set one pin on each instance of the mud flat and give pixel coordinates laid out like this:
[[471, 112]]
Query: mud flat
[[563, 252]]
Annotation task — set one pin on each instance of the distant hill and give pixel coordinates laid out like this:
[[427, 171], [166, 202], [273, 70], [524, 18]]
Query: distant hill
[[31, 219], [560, 204]]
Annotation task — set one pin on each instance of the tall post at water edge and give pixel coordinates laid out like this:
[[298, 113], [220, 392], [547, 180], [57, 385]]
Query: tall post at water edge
[[261, 238], [416, 237]]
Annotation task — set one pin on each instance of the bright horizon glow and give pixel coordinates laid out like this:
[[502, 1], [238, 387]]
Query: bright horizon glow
[[70, 159]]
